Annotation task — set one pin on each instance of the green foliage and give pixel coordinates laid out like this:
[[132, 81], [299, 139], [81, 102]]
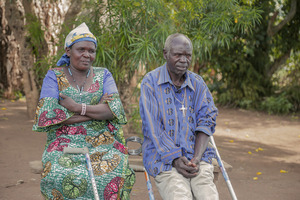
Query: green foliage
[[42, 65], [35, 33], [293, 96], [35, 38], [135, 119], [245, 69], [213, 24], [277, 104], [133, 37], [18, 94], [128, 38], [287, 80]]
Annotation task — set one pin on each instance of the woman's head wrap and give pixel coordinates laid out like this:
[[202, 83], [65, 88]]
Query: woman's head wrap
[[80, 33]]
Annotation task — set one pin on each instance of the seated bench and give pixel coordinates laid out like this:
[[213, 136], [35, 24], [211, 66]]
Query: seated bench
[[136, 160]]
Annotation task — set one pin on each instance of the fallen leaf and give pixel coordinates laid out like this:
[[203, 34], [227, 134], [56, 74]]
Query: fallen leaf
[[283, 171], [231, 141], [12, 100], [260, 149], [249, 152], [226, 123], [247, 136], [258, 173], [255, 178], [3, 108]]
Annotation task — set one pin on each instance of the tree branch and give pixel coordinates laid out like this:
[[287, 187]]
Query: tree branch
[[278, 62], [272, 30]]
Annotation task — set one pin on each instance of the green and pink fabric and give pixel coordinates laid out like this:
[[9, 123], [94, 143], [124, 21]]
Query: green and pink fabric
[[65, 176]]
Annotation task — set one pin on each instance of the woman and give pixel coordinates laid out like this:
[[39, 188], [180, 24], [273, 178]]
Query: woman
[[80, 107]]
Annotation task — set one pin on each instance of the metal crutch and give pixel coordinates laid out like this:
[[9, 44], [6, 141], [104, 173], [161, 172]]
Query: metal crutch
[[85, 151], [223, 170], [137, 152]]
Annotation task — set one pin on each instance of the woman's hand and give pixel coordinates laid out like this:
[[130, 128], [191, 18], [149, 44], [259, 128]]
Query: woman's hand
[[69, 103], [106, 98], [101, 111]]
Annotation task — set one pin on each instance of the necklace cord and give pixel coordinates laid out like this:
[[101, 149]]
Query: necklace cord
[[82, 87], [80, 90], [183, 108]]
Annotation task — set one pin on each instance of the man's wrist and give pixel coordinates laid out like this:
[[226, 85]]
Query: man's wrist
[[173, 162]]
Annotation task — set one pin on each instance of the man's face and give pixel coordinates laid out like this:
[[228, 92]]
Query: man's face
[[82, 55], [179, 57]]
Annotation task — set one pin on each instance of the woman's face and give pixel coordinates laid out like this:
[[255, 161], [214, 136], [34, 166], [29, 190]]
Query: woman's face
[[82, 55]]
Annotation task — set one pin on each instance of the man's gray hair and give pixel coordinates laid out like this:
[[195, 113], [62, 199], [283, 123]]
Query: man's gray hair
[[170, 39]]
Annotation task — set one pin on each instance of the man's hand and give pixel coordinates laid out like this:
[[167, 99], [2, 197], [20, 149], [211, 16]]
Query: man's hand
[[195, 162], [185, 167]]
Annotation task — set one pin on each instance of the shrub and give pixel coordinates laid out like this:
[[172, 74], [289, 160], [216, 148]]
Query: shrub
[[277, 104]]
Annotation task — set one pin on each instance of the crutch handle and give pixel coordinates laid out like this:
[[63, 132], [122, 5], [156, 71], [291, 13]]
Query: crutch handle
[[83, 150]]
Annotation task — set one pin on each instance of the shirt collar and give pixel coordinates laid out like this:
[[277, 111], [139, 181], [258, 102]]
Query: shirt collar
[[164, 77]]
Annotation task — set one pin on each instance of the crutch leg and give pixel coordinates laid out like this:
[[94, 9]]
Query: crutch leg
[[149, 185], [223, 170], [137, 152], [85, 151]]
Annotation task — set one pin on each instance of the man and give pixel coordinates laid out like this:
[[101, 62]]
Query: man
[[178, 115]]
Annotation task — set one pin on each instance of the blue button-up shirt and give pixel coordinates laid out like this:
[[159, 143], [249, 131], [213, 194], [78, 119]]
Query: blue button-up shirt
[[169, 131]]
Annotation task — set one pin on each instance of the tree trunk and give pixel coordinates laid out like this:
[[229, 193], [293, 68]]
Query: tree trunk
[[17, 60], [273, 30], [22, 53], [10, 72]]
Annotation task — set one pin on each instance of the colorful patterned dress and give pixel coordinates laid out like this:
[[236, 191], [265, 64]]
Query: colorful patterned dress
[[65, 176]]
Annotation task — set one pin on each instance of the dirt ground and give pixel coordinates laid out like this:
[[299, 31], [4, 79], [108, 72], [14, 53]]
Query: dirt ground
[[263, 150]]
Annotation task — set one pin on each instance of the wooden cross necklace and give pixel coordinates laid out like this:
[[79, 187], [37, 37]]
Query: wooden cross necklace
[[80, 90], [183, 108]]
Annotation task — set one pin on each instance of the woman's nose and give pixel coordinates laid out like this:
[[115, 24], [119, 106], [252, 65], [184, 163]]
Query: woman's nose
[[86, 54]]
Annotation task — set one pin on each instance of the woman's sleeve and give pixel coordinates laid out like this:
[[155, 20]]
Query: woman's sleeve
[[49, 112], [116, 107]]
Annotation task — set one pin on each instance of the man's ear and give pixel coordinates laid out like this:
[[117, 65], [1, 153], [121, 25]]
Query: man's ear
[[68, 51], [165, 54]]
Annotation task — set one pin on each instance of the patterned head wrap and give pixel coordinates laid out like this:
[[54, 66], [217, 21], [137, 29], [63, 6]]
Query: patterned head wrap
[[80, 33]]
